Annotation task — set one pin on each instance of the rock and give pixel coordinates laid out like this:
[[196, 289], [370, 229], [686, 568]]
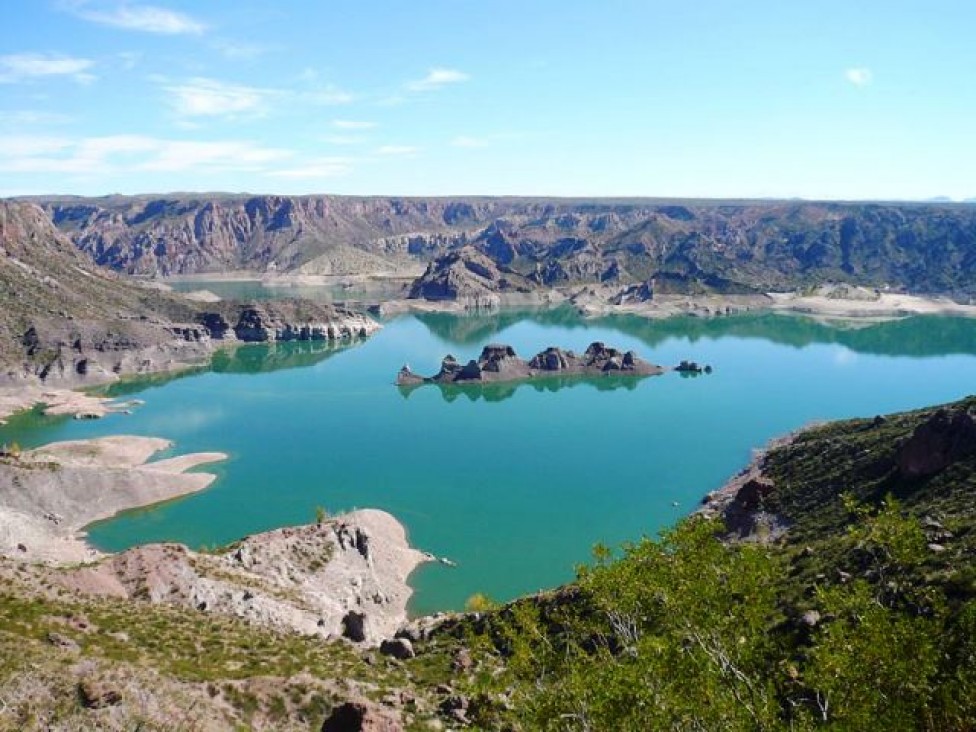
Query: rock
[[354, 626], [462, 661], [294, 321], [937, 548], [689, 367], [406, 377], [455, 707], [641, 292], [469, 277], [752, 495], [361, 716], [944, 438], [399, 648], [499, 363], [810, 618], [98, 694], [61, 641]]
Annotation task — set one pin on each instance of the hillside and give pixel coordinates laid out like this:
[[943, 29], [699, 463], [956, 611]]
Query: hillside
[[845, 599], [842, 597], [64, 319], [684, 246]]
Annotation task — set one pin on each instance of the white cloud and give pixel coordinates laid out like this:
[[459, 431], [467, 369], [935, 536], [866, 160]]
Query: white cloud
[[211, 98], [391, 150], [238, 49], [31, 117], [469, 142], [24, 66], [436, 79], [30, 145], [315, 168], [344, 139], [329, 95], [181, 155], [112, 154], [349, 124], [859, 76], [145, 18]]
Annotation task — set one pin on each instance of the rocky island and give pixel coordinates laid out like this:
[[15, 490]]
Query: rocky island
[[499, 363]]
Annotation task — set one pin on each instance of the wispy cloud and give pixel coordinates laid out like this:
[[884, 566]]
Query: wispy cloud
[[393, 150], [859, 75], [19, 67], [179, 155], [469, 142], [238, 49], [315, 168], [329, 95], [211, 98], [31, 145], [144, 18], [344, 139], [31, 117], [351, 124], [108, 155], [437, 78]]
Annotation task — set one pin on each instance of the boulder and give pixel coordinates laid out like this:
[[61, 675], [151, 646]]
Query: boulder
[[354, 626], [98, 694], [362, 716], [944, 438], [399, 648], [753, 493]]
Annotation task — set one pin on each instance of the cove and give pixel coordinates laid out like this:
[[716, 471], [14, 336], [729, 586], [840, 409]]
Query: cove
[[515, 483]]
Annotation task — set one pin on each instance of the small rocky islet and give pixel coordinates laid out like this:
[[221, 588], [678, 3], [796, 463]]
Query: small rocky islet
[[500, 363]]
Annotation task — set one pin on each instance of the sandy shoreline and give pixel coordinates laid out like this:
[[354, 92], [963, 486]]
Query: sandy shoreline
[[48, 495], [595, 302], [58, 402]]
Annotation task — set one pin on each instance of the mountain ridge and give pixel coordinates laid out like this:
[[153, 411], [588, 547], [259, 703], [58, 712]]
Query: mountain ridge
[[727, 246]]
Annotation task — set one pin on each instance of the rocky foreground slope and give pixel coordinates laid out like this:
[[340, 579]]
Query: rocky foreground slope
[[63, 319], [677, 246], [845, 600]]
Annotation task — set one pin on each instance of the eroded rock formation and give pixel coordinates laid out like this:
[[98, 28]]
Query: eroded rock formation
[[500, 363]]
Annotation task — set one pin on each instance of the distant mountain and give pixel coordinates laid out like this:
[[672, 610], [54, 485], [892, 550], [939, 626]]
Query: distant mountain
[[724, 246]]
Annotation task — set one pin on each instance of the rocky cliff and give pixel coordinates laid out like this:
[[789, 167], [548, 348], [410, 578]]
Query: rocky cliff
[[63, 319], [344, 577], [469, 277], [685, 247]]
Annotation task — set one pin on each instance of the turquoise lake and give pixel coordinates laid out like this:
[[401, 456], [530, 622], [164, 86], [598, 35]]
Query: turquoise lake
[[514, 483]]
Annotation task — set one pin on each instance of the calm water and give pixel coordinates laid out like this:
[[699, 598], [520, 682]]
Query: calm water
[[254, 290], [515, 484]]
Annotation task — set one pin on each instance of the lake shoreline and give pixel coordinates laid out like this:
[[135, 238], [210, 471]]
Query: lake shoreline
[[54, 492]]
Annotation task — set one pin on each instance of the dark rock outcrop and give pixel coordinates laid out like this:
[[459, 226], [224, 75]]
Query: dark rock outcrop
[[469, 277], [500, 363], [361, 716], [400, 648], [947, 436]]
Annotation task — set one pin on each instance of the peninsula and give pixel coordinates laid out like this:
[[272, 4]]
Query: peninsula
[[499, 363]]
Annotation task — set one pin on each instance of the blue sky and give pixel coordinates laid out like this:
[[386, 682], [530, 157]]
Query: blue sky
[[826, 99]]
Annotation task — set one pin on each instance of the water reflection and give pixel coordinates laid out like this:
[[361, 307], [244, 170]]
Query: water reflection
[[237, 358], [914, 336], [501, 392]]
